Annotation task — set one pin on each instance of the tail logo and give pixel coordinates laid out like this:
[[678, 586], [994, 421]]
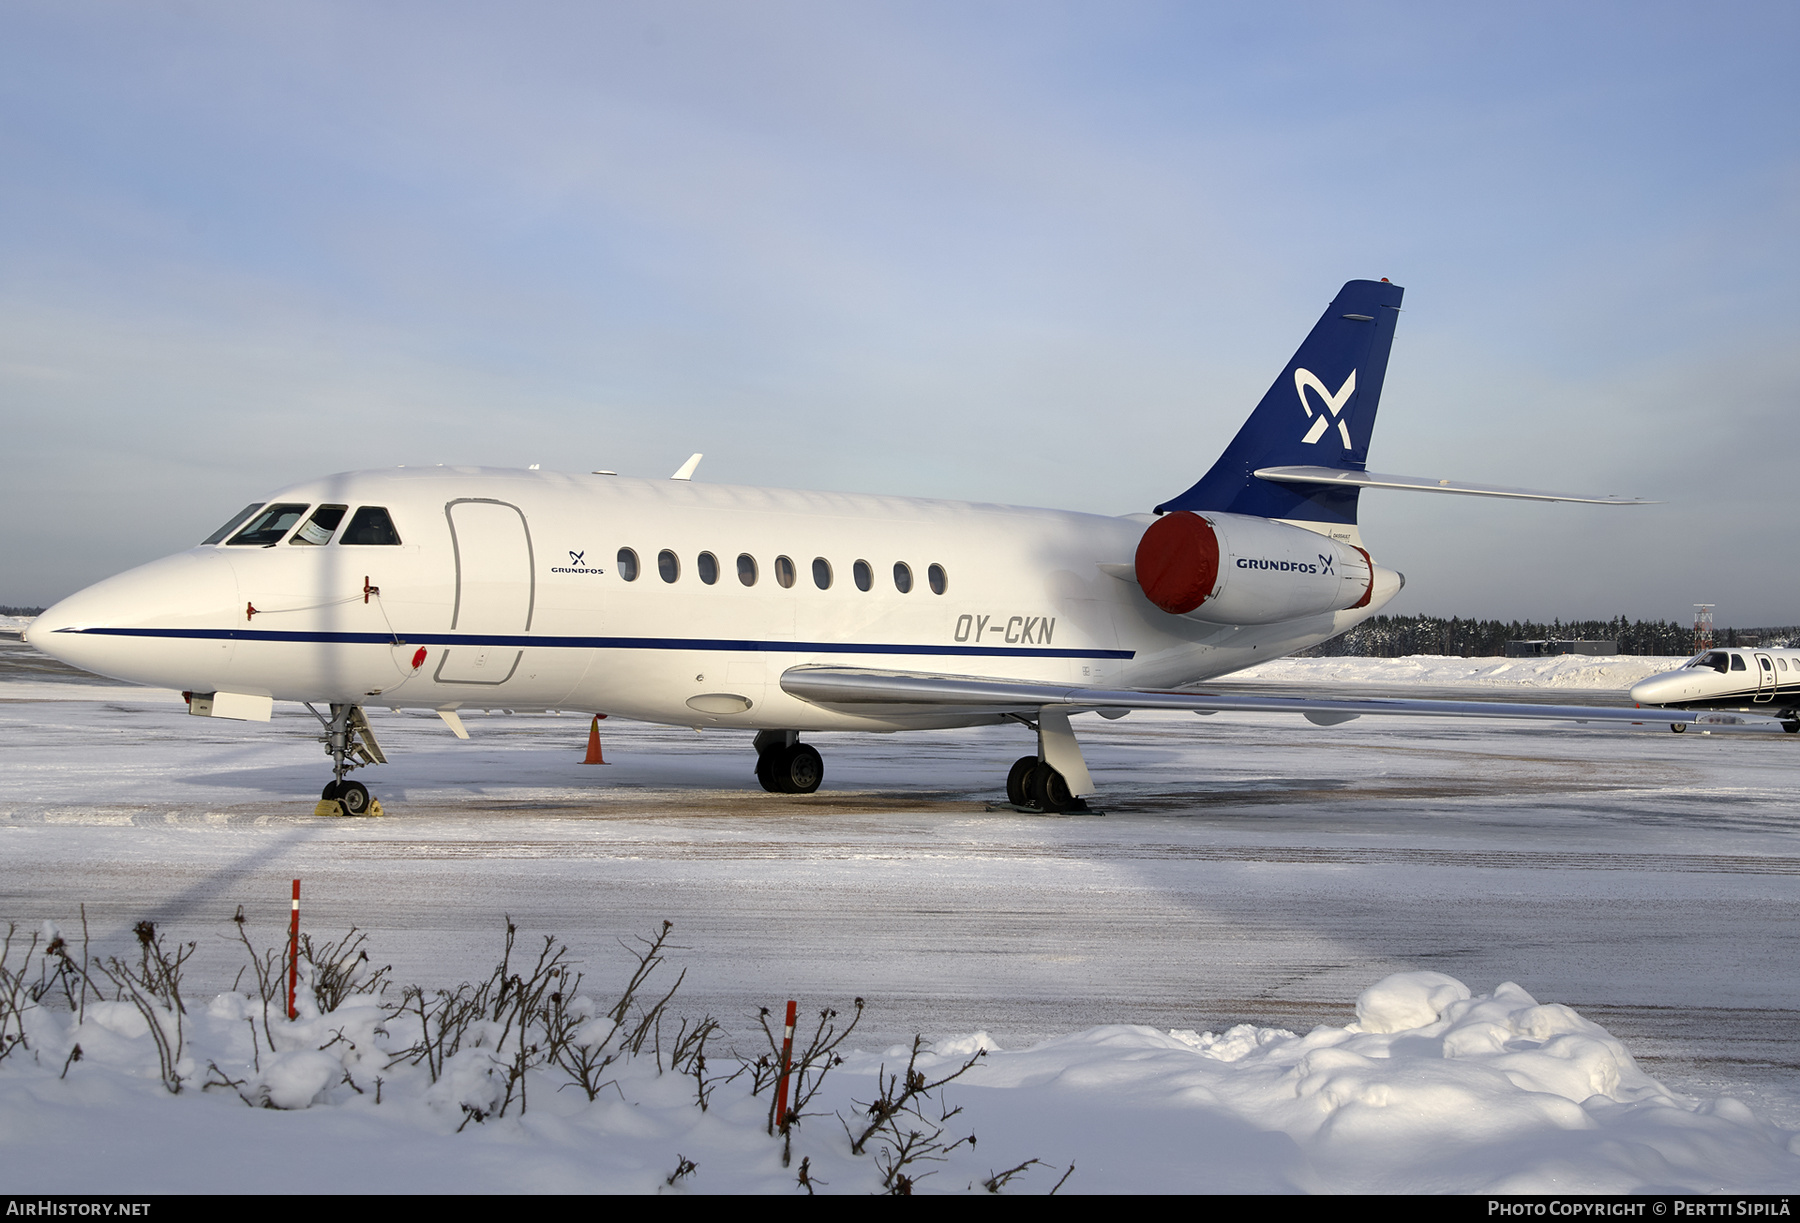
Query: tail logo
[[1334, 404]]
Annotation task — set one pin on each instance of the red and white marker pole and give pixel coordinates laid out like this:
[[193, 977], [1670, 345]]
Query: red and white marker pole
[[294, 952], [787, 1057]]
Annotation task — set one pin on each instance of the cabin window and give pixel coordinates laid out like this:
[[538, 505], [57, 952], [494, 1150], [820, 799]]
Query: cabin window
[[1766, 664], [236, 522], [784, 572], [940, 581], [1782, 663], [707, 566], [865, 576], [746, 569], [821, 573], [267, 528], [628, 564], [667, 565], [1737, 663], [319, 527], [370, 526], [903, 577]]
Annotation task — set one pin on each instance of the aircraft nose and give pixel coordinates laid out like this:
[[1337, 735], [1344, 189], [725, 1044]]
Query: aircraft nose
[[1657, 689], [157, 624]]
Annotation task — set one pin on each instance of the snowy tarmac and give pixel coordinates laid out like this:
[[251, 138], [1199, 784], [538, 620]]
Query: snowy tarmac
[[1249, 869]]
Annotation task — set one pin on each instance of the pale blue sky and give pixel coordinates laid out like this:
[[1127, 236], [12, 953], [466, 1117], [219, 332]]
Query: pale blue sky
[[1047, 254]]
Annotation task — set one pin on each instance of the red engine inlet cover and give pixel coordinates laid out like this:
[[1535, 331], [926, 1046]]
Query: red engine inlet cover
[[1178, 562]]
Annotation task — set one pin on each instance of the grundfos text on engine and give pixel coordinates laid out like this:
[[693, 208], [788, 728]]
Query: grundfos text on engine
[[1232, 569]]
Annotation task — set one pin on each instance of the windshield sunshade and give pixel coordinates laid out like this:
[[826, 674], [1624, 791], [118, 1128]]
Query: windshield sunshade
[[319, 527], [269, 526]]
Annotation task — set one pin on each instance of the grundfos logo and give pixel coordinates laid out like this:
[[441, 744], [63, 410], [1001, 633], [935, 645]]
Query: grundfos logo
[[1334, 404], [1323, 566], [577, 564]]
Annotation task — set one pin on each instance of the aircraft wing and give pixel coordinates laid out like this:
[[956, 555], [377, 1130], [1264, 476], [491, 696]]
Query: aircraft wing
[[856, 689]]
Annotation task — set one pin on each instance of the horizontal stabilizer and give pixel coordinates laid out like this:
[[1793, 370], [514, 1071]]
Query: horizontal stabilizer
[[1419, 484]]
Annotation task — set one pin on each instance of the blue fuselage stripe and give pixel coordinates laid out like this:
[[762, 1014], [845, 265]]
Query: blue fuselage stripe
[[600, 643]]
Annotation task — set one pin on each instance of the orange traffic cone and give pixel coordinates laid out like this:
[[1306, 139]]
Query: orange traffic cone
[[594, 756]]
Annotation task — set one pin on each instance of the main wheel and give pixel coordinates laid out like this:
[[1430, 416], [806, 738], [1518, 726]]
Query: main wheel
[[1049, 790], [766, 764], [797, 770], [355, 798], [330, 791], [1678, 727], [1016, 793], [1792, 728]]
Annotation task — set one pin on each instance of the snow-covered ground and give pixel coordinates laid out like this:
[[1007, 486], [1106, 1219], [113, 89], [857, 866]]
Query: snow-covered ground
[[1611, 672], [1139, 978], [1428, 1090]]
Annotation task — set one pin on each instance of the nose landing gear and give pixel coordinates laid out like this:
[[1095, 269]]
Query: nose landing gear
[[350, 742], [351, 796]]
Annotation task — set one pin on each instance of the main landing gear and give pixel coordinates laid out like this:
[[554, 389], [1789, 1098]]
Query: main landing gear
[[784, 765], [1056, 779], [350, 742], [1033, 783]]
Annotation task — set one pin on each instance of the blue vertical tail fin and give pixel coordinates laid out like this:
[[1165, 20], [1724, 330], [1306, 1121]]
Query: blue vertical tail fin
[[1319, 413]]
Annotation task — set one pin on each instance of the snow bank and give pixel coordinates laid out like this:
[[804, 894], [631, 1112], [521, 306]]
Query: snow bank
[[1430, 1089], [1618, 671]]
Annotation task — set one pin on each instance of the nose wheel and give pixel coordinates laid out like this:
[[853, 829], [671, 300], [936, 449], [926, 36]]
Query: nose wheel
[[352, 796], [350, 742]]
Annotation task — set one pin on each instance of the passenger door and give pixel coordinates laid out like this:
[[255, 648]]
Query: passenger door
[[496, 590], [1765, 678]]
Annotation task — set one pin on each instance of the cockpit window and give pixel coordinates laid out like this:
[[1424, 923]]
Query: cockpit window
[[1737, 663], [319, 527], [1717, 661], [370, 525], [268, 527], [237, 520]]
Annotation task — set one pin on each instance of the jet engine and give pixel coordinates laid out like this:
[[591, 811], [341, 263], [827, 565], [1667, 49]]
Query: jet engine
[[1233, 569]]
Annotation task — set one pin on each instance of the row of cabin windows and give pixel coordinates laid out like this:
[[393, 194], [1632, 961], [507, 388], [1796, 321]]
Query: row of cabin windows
[[369, 526], [668, 567], [1720, 661]]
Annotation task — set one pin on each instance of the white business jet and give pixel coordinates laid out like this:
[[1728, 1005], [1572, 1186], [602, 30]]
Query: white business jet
[[780, 612], [1760, 681]]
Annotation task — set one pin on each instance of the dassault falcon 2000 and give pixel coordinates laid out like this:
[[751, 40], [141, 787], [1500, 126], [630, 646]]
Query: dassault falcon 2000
[[782, 612]]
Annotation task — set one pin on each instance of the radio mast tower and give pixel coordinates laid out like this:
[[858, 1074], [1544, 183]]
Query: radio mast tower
[[1703, 627]]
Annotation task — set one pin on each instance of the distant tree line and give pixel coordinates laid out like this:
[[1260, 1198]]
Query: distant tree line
[[21, 611], [1396, 636]]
